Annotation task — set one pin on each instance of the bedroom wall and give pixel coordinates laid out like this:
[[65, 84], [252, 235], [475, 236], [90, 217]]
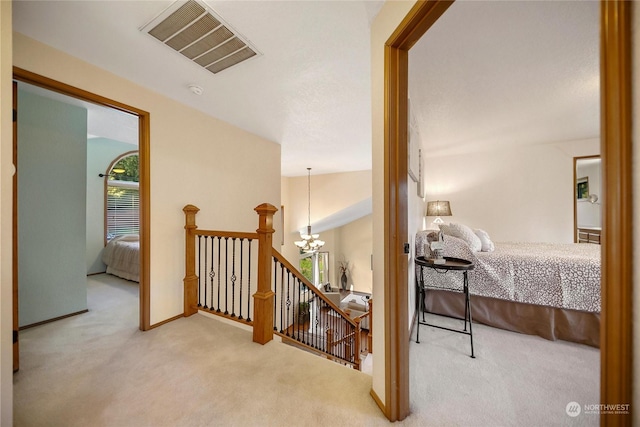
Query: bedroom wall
[[516, 194], [195, 159], [590, 214], [52, 183], [100, 153]]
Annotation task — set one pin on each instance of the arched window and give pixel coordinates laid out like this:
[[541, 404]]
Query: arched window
[[122, 208]]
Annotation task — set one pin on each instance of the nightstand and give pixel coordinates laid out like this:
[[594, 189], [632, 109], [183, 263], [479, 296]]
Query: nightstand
[[450, 264]]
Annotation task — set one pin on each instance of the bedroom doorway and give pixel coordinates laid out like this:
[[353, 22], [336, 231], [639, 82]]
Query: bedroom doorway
[[141, 136], [616, 147], [587, 200]]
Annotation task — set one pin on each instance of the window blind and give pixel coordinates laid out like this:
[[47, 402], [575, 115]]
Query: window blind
[[123, 210]]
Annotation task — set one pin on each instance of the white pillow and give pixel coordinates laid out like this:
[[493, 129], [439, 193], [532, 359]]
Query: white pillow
[[445, 229], [463, 232], [487, 244]]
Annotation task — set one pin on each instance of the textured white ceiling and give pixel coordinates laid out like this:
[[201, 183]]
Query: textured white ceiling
[[488, 74], [309, 92], [495, 74]]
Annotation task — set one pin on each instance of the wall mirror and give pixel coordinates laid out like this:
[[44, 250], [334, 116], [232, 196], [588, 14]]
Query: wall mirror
[[587, 199]]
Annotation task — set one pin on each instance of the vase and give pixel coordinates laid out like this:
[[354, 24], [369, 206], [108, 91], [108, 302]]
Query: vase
[[343, 281]]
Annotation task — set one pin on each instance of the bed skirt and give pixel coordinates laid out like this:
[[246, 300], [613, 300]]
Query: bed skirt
[[548, 322]]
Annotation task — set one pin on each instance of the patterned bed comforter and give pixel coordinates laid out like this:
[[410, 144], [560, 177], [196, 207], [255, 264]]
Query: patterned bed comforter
[[557, 275]]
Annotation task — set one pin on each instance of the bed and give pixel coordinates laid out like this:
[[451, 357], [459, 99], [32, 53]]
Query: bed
[[122, 257], [550, 290]]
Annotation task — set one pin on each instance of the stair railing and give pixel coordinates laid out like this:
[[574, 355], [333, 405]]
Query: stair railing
[[308, 318], [223, 268]]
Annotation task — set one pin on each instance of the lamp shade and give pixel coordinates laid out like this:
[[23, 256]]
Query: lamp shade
[[438, 208]]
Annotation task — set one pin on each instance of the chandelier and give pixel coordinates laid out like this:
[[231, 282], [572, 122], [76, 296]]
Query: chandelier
[[309, 243]]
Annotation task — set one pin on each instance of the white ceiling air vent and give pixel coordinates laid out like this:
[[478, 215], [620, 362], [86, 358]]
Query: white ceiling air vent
[[201, 35]]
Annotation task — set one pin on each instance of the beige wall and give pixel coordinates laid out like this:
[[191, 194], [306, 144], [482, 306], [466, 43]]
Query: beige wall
[[330, 195], [531, 187], [387, 20], [6, 175], [354, 243], [195, 159]]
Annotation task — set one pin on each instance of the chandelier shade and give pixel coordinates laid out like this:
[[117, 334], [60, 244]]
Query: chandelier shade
[[309, 242]]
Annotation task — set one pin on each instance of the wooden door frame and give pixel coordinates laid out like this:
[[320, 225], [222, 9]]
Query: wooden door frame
[[616, 341], [14, 243], [616, 375], [396, 80], [25, 76]]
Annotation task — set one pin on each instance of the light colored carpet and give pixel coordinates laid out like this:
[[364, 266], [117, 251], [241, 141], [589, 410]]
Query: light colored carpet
[[98, 369], [515, 379]]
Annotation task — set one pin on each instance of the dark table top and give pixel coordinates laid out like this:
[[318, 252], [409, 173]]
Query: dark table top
[[450, 263]]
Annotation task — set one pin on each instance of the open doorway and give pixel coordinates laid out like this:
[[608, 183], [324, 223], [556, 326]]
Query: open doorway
[[616, 333], [94, 193], [587, 200]]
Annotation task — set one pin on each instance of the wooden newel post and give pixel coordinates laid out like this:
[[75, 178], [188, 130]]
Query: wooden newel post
[[263, 298], [356, 359], [190, 277]]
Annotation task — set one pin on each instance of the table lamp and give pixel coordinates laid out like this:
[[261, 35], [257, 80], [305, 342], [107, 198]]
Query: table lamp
[[438, 209]]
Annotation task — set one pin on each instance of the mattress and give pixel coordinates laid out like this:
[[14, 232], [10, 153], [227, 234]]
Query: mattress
[[556, 275]]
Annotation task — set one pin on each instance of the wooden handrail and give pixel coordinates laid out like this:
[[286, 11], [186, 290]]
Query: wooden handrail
[[363, 316], [229, 234], [263, 298], [282, 260]]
